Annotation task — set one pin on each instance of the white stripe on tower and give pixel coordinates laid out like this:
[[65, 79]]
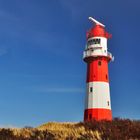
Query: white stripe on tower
[[98, 95]]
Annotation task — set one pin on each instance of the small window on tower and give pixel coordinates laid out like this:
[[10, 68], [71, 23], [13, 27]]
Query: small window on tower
[[108, 103], [91, 89], [99, 63], [106, 77]]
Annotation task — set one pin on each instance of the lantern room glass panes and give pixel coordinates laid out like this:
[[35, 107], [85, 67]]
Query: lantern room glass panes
[[94, 41]]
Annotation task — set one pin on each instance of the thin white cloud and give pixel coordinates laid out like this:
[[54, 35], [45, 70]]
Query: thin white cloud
[[8, 126], [61, 90]]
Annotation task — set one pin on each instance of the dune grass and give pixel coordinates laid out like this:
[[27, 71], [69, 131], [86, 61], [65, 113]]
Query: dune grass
[[118, 129]]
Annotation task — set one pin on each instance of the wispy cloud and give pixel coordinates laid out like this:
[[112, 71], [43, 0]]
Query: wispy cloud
[[8, 126], [60, 90]]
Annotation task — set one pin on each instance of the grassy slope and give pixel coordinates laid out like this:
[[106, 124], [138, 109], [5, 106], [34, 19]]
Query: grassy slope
[[118, 129]]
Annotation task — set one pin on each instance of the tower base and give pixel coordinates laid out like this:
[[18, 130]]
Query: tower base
[[97, 114]]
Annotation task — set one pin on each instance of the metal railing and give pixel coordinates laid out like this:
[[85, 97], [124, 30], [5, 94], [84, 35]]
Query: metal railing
[[90, 53], [109, 54]]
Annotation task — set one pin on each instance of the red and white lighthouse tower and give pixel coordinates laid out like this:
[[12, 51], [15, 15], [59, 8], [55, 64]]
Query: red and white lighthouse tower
[[97, 57]]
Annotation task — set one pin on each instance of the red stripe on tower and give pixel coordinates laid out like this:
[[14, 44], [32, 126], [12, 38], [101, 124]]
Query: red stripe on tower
[[97, 57]]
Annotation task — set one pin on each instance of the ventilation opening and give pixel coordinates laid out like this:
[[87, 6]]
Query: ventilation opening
[[91, 89], [99, 63]]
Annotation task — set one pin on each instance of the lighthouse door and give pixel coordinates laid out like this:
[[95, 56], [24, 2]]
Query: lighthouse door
[[90, 116]]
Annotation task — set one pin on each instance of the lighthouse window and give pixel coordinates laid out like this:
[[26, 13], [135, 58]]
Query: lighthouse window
[[97, 41], [99, 63], [94, 41], [91, 89], [108, 103], [106, 76]]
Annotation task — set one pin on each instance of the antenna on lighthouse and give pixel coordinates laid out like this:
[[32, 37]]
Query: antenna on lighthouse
[[96, 22]]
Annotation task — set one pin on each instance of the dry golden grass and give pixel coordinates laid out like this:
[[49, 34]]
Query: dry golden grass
[[51, 131], [70, 130], [118, 129]]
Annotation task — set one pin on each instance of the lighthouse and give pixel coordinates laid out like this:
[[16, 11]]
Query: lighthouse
[[97, 57]]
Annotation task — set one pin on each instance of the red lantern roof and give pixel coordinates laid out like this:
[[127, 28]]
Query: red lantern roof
[[98, 31]]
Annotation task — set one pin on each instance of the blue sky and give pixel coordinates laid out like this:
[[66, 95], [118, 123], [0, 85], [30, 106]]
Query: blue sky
[[42, 74]]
